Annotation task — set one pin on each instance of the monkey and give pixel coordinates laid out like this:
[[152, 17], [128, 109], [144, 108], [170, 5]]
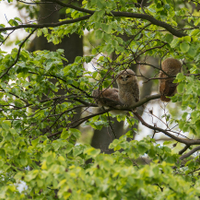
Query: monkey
[[126, 95], [107, 97], [128, 87], [171, 67]]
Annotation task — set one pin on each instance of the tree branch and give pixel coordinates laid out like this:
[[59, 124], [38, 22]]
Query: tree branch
[[151, 19], [181, 140], [18, 54], [73, 7], [132, 15], [90, 12], [76, 123], [189, 153], [36, 26], [183, 150], [146, 99]]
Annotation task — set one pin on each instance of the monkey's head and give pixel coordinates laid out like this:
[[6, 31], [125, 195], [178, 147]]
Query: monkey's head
[[126, 76], [171, 66]]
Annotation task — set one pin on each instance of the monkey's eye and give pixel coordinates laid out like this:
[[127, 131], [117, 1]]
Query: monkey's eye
[[128, 76]]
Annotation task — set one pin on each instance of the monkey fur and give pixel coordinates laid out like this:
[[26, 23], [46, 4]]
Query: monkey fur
[[126, 95], [171, 67], [128, 87]]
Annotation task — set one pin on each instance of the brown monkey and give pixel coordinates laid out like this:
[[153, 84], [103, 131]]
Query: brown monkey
[[107, 97], [171, 67], [126, 95], [128, 87]]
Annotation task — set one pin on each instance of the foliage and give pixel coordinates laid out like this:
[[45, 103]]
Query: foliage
[[38, 132]]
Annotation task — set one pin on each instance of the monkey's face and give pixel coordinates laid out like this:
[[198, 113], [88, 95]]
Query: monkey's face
[[125, 77]]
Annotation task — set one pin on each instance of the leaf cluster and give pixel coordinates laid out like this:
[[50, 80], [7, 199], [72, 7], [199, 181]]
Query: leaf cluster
[[39, 131]]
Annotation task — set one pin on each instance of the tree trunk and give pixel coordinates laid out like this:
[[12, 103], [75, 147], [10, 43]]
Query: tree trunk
[[72, 45], [102, 138]]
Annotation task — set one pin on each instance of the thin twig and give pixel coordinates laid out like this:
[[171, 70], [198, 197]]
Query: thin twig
[[178, 139]]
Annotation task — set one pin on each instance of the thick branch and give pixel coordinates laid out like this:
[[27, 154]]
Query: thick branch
[[90, 12], [190, 153], [184, 149], [146, 99], [73, 7], [132, 15], [151, 19], [141, 102]]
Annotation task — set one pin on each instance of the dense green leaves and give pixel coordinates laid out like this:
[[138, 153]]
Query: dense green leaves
[[39, 126]]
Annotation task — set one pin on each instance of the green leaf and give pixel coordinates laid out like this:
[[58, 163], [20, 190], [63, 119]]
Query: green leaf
[[6, 125], [99, 34], [45, 31], [39, 32], [184, 46], [24, 161], [184, 116], [180, 77], [198, 127], [187, 39], [40, 183], [69, 147], [78, 59], [174, 42], [168, 38], [99, 14], [75, 132], [78, 149], [2, 153], [31, 175], [18, 19], [180, 87], [193, 50], [194, 32], [94, 74], [65, 134], [92, 152], [35, 142]]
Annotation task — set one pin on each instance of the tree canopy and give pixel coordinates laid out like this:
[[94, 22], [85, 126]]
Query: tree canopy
[[38, 130]]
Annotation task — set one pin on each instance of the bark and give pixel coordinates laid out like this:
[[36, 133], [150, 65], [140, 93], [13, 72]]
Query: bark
[[102, 138]]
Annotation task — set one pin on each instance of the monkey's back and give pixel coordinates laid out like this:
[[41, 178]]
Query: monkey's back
[[106, 97], [171, 67]]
